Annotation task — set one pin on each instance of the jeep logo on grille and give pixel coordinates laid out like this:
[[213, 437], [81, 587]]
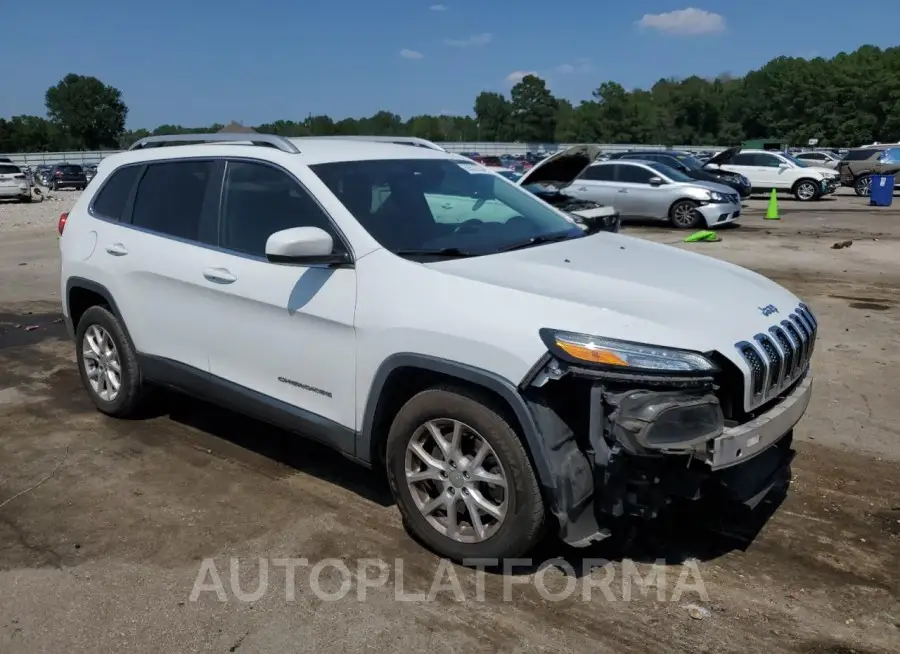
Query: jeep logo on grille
[[768, 310]]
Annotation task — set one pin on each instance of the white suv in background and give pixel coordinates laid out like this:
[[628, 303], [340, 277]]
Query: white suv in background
[[510, 370], [14, 183], [778, 170]]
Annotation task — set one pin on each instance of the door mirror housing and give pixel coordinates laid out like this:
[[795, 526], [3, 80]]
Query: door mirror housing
[[656, 181], [784, 165], [304, 246]]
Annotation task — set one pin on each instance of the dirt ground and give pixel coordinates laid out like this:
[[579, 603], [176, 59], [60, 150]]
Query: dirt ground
[[104, 554]]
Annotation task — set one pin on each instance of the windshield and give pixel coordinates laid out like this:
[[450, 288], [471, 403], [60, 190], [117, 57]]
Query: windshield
[[794, 160], [511, 175], [671, 173], [690, 161], [428, 205]]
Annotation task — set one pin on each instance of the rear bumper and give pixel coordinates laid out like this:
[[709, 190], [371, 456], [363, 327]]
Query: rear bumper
[[14, 191]]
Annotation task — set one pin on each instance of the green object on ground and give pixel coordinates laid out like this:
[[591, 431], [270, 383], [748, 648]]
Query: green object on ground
[[772, 211], [705, 235]]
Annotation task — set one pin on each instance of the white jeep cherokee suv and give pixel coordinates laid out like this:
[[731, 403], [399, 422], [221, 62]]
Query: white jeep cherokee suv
[[509, 369]]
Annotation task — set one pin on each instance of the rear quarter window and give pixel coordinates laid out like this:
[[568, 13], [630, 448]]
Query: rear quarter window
[[862, 155], [113, 195], [9, 170]]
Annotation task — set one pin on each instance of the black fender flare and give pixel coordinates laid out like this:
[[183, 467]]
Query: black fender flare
[[94, 287], [476, 376]]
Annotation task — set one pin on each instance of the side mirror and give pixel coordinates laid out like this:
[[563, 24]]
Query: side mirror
[[657, 181], [784, 165], [304, 246]]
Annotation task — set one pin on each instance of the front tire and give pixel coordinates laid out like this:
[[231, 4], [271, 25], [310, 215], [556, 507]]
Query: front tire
[[684, 215], [462, 479], [806, 190], [863, 186], [107, 364]]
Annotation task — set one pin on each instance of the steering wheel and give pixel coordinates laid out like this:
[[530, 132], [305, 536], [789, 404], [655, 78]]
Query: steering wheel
[[467, 225]]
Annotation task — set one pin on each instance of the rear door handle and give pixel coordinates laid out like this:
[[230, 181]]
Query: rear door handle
[[219, 275], [117, 250], [623, 190]]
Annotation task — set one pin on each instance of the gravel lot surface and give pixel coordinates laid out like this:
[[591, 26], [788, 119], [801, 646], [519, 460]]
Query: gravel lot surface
[[104, 555]]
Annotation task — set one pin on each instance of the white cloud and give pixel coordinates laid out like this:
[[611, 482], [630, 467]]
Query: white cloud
[[684, 22], [438, 7], [410, 54], [518, 75], [474, 40], [579, 66]]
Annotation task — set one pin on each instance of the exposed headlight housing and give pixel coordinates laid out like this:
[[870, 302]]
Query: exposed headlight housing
[[623, 356]]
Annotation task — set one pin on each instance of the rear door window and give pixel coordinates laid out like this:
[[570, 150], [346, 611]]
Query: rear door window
[[603, 173], [113, 197], [743, 159], [862, 155], [170, 198]]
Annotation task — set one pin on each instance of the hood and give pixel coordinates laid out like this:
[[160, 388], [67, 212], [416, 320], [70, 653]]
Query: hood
[[561, 167], [718, 187], [822, 170], [724, 156], [628, 288]]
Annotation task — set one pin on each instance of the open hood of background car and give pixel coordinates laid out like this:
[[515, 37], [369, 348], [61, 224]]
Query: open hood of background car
[[724, 156], [561, 168]]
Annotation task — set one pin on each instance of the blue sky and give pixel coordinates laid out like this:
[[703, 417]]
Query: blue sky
[[195, 62]]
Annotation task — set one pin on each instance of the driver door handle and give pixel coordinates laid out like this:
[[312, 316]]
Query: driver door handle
[[219, 275], [447, 206], [117, 250], [623, 190]]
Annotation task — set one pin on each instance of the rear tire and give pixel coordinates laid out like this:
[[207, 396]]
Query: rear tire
[[107, 364], [806, 190], [459, 482], [863, 186], [684, 215]]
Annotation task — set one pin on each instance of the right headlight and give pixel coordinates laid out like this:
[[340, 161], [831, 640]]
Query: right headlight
[[625, 356]]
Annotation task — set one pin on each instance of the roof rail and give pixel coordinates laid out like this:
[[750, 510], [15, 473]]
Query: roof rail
[[271, 140], [396, 140]]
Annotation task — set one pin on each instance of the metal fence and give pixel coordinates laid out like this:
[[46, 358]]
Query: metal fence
[[481, 147]]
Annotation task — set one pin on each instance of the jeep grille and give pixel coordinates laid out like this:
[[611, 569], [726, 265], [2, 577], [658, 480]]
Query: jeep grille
[[781, 356]]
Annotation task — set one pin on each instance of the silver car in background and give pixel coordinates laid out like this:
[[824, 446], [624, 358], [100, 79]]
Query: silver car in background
[[651, 190]]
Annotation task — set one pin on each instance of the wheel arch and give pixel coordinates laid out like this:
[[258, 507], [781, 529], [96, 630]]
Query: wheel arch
[[81, 294], [402, 375]]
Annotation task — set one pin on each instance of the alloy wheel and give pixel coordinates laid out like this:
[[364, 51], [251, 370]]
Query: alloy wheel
[[456, 480], [864, 186], [101, 363], [683, 215], [806, 191]]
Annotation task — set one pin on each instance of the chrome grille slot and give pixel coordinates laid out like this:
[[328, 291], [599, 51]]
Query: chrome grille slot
[[794, 335], [787, 348], [775, 366], [779, 357], [758, 369]]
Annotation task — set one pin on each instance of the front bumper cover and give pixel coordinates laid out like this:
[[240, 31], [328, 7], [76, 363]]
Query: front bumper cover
[[644, 448]]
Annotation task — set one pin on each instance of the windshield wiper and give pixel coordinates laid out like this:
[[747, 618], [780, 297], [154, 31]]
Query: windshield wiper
[[538, 240], [438, 252]]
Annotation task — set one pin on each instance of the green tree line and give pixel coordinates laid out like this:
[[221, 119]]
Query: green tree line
[[847, 100]]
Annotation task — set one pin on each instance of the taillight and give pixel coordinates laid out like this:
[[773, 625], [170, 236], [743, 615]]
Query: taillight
[[58, 173], [62, 222]]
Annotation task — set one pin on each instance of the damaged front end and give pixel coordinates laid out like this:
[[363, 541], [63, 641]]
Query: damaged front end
[[625, 444]]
